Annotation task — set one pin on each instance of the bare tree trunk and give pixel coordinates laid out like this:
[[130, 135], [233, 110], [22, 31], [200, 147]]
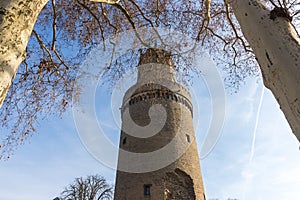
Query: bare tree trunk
[[17, 18], [277, 49]]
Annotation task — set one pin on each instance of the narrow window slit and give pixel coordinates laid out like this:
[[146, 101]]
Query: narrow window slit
[[188, 138], [147, 189], [124, 140]]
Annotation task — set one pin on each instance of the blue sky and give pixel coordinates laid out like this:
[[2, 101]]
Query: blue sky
[[41, 168]]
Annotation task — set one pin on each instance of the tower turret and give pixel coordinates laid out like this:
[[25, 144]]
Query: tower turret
[[158, 157]]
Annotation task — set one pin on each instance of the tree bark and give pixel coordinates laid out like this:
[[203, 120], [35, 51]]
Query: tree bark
[[17, 18], [277, 49]]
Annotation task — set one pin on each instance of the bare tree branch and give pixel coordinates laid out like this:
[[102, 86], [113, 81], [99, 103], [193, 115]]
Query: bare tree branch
[[53, 25]]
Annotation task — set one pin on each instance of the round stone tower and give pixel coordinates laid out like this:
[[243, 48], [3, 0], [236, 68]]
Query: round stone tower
[[158, 157]]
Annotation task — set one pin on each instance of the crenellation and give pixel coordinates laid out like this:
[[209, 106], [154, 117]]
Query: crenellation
[[159, 94]]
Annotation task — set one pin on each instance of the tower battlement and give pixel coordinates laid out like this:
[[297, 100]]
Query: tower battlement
[[152, 92]]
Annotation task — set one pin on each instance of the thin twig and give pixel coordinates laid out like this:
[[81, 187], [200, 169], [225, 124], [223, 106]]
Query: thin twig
[[61, 60], [107, 19], [53, 25], [148, 20], [96, 18], [233, 27], [43, 47], [128, 17], [280, 5], [274, 4]]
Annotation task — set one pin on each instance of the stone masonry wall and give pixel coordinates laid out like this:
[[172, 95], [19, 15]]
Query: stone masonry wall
[[181, 179]]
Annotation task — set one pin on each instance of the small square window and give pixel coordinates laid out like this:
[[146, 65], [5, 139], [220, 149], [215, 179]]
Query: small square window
[[147, 189]]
